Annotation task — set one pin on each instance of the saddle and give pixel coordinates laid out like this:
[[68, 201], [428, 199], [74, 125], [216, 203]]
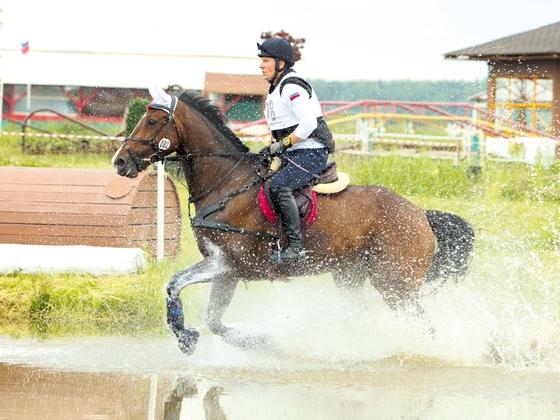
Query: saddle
[[329, 182]]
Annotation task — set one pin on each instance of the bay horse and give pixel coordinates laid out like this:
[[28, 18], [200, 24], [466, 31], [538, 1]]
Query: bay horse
[[361, 233]]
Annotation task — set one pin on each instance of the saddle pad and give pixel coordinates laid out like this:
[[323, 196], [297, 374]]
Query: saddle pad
[[272, 217], [333, 187]]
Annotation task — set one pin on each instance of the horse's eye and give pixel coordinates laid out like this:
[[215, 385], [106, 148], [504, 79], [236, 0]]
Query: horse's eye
[[152, 122]]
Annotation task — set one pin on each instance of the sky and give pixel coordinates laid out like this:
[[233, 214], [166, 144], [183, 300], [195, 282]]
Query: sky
[[345, 40]]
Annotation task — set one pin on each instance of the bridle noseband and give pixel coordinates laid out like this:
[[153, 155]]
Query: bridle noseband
[[199, 221], [163, 144]]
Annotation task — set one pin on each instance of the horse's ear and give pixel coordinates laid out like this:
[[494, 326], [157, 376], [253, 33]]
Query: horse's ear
[[159, 96]]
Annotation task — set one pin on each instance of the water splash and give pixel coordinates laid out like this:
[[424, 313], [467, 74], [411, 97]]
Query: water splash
[[505, 313]]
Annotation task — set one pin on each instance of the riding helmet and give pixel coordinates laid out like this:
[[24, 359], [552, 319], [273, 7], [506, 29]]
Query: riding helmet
[[277, 48]]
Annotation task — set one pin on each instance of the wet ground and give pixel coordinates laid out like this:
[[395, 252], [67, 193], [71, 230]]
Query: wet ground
[[328, 363], [123, 378]]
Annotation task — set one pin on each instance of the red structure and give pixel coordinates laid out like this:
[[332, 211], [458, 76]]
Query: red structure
[[93, 104], [462, 113]]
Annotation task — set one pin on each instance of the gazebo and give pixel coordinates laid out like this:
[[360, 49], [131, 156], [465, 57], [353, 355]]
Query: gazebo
[[523, 76]]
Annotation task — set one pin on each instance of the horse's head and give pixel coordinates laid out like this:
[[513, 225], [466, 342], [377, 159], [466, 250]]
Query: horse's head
[[155, 136]]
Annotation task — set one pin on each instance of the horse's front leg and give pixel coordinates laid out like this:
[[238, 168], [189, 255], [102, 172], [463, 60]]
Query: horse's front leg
[[223, 289], [221, 295], [203, 272]]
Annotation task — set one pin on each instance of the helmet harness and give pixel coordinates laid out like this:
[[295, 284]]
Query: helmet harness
[[279, 49]]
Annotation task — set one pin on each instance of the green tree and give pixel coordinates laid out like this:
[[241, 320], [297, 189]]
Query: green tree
[[398, 90]]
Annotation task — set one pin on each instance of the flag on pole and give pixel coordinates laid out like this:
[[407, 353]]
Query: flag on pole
[[24, 47]]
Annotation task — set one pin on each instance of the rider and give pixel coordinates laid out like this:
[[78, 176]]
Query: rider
[[300, 137]]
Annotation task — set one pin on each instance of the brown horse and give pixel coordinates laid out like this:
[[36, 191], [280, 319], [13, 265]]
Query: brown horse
[[362, 233]]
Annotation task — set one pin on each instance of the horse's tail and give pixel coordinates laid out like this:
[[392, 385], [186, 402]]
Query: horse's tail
[[455, 240]]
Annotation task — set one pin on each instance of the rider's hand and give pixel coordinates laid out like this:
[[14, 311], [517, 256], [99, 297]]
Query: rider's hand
[[277, 148], [265, 150]]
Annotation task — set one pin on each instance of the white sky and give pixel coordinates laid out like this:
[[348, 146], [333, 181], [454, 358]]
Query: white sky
[[346, 40]]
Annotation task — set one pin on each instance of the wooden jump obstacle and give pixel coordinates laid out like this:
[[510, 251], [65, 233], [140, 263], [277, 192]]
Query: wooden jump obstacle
[[47, 206]]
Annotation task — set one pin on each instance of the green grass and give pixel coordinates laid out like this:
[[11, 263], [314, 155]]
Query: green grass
[[66, 304], [513, 208], [12, 155]]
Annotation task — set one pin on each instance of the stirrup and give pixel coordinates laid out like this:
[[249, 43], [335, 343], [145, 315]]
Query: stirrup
[[289, 255]]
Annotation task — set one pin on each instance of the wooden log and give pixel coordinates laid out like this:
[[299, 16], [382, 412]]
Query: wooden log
[[50, 206]]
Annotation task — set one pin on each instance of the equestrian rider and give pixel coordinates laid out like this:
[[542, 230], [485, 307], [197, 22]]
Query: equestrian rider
[[300, 137]]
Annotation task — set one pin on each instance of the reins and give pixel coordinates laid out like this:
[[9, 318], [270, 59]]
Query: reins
[[222, 179], [199, 219]]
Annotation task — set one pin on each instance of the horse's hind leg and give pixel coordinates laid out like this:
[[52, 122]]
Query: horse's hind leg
[[399, 285], [350, 282], [400, 289], [202, 272]]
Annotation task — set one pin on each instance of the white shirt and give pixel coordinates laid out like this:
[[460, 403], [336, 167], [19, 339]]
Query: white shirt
[[294, 107]]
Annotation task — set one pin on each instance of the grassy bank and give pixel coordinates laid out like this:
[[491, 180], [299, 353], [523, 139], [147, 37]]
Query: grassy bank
[[513, 207]]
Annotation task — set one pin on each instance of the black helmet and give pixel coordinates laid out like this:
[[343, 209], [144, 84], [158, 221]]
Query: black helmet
[[277, 48]]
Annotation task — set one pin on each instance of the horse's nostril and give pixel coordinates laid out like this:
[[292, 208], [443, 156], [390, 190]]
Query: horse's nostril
[[118, 162]]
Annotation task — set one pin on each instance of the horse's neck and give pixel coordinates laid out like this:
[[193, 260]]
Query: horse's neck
[[214, 167], [211, 178]]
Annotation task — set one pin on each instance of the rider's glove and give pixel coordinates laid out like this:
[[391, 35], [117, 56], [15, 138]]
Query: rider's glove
[[277, 148], [265, 150], [280, 146]]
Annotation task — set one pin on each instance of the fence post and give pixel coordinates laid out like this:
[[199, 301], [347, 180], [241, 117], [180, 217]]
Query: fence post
[[160, 210], [475, 167]]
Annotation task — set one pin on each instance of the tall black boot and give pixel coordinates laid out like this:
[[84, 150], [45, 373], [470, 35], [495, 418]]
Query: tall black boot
[[291, 225]]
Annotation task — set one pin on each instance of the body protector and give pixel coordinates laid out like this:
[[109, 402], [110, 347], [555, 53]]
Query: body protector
[[293, 107]]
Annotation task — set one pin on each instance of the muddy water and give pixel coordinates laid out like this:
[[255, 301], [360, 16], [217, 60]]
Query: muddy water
[[120, 378], [496, 355]]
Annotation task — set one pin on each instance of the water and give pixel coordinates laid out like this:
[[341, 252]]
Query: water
[[495, 356]]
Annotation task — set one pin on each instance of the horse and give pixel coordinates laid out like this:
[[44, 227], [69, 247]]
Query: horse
[[361, 233]]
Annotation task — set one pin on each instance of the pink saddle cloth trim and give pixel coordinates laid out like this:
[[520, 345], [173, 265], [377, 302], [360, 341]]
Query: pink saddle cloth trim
[[272, 217]]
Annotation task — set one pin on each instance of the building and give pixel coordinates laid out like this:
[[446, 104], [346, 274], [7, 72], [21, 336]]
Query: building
[[97, 86], [523, 76]]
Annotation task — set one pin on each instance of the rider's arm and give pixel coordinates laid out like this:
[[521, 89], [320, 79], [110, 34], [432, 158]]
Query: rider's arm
[[302, 106]]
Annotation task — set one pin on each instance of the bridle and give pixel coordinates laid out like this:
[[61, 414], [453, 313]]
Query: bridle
[[163, 144], [199, 220]]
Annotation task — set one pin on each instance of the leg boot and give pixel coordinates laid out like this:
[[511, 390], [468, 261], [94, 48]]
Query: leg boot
[[291, 226]]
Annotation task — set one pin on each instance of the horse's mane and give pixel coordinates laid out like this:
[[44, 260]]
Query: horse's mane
[[213, 115]]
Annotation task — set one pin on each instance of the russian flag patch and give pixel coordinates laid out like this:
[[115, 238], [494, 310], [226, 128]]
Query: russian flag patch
[[294, 96]]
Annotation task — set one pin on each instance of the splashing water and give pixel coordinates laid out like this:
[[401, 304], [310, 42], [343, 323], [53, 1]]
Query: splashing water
[[497, 337], [505, 313]]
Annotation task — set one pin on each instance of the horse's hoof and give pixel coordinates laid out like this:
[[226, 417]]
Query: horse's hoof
[[186, 339], [261, 342]]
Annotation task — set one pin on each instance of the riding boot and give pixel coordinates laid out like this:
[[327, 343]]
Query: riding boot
[[291, 226]]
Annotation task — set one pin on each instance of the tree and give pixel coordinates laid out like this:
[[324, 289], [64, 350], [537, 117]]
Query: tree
[[297, 43]]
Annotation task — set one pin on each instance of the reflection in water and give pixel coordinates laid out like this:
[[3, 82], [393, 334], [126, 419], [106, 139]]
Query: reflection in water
[[212, 408], [186, 388], [174, 401], [32, 393], [411, 390]]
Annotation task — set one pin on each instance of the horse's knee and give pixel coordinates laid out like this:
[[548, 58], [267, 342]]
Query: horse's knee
[[173, 290]]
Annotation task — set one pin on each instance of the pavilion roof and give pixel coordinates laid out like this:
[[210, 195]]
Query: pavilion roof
[[543, 42]]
